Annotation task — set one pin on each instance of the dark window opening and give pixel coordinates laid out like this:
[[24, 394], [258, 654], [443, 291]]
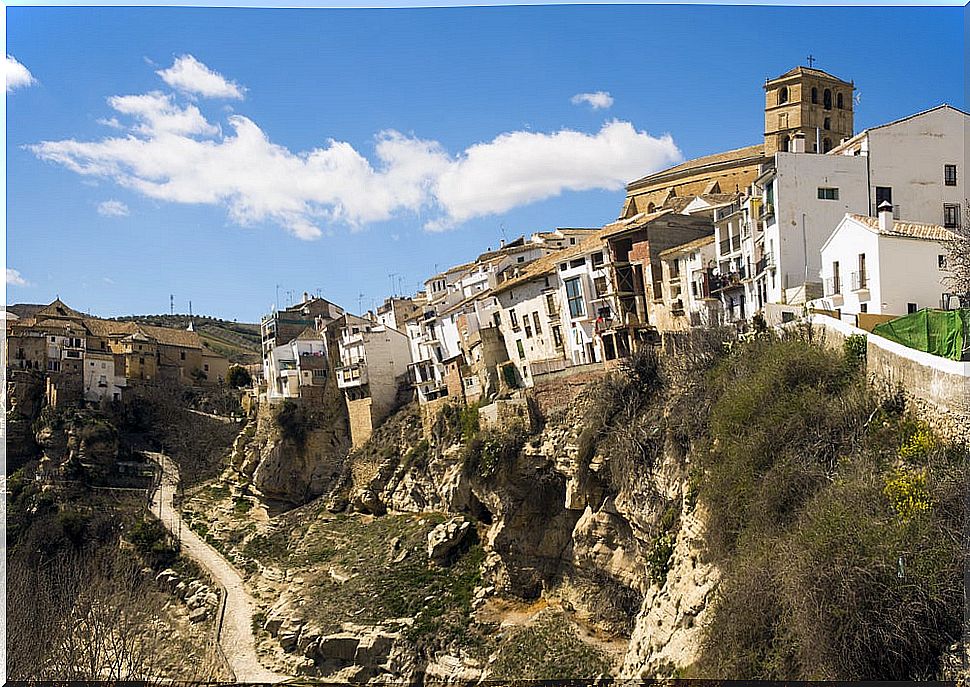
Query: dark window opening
[[827, 99]]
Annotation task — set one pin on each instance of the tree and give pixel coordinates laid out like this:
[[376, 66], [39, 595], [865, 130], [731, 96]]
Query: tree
[[238, 377], [958, 260]]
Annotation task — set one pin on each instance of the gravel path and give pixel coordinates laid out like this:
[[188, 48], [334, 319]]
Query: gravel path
[[236, 638]]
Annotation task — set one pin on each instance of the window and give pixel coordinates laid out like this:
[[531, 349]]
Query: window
[[950, 175], [941, 261], [497, 319], [784, 144], [574, 295], [206, 367], [182, 355], [513, 318], [911, 308], [827, 123], [599, 287], [520, 348], [597, 259], [814, 95], [551, 304], [827, 99], [825, 193], [54, 365], [951, 216], [557, 336], [572, 242], [836, 279], [53, 339], [563, 267], [782, 95], [535, 323], [521, 258], [884, 194], [863, 308], [826, 145], [528, 327], [579, 262], [838, 101]]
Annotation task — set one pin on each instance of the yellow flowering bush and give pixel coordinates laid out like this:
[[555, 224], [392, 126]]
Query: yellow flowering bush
[[918, 445], [907, 493]]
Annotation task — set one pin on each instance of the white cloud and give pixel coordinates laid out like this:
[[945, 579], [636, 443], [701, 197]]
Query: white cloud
[[113, 208], [17, 75], [189, 75], [600, 100], [522, 167], [14, 278], [170, 152]]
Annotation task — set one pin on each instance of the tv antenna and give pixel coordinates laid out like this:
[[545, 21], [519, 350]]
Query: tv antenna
[[391, 276], [171, 303]]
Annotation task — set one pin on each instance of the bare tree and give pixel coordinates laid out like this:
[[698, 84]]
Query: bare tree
[[958, 259], [93, 617]]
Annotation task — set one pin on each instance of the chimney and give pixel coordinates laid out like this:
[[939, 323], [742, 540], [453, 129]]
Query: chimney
[[798, 143], [306, 297], [885, 217]]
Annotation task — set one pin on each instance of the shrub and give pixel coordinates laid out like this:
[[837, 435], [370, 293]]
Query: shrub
[[658, 560], [918, 445], [907, 493], [854, 349], [490, 450], [292, 420], [238, 377]]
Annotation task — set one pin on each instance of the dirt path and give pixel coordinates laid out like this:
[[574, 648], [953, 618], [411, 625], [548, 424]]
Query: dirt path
[[236, 638]]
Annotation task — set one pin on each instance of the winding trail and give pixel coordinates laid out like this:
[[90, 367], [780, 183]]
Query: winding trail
[[236, 638]]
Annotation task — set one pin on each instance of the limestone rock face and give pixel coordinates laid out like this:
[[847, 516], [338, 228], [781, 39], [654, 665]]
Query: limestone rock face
[[447, 537], [294, 470], [668, 629]]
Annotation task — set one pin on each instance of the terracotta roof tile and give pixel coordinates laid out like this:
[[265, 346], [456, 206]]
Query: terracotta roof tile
[[910, 230]]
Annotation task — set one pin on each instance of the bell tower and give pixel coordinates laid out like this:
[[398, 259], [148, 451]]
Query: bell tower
[[807, 107]]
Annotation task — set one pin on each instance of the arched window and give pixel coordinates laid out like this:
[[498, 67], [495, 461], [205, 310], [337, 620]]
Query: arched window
[[783, 95], [784, 144], [827, 124], [838, 101], [651, 208], [826, 145], [814, 95], [827, 99]]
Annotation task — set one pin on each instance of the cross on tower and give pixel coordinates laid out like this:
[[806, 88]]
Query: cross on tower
[[811, 60]]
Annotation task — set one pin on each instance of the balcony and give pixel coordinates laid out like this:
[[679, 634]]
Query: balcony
[[833, 290], [353, 375], [860, 281], [767, 262], [767, 212]]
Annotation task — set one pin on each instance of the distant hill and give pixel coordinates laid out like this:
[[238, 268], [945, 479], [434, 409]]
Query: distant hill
[[238, 341]]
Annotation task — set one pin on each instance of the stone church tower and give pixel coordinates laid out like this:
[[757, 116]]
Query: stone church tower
[[807, 110]]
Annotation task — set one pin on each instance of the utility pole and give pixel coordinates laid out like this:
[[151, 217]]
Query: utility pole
[[171, 303], [277, 297]]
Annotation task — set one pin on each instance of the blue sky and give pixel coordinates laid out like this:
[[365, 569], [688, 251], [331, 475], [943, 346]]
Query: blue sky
[[326, 149]]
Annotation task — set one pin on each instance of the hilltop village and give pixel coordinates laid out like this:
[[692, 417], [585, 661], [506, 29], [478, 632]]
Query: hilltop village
[[721, 435], [817, 217]]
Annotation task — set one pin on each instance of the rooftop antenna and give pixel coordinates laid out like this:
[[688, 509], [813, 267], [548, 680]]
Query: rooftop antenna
[[360, 302], [277, 296], [190, 328], [171, 303], [391, 275], [501, 227]]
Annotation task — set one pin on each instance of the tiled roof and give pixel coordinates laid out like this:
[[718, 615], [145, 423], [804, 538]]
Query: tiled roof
[[736, 155], [547, 263], [910, 230], [811, 71], [688, 247], [865, 132]]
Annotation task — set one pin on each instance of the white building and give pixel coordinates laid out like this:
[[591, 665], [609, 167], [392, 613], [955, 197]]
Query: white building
[[914, 164], [374, 362], [768, 246], [289, 370], [686, 290], [883, 266], [100, 380]]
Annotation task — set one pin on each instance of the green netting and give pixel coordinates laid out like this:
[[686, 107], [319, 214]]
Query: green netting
[[940, 332]]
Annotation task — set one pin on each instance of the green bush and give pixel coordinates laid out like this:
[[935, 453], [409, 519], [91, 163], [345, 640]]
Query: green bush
[[490, 450], [238, 377], [837, 563], [658, 560]]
